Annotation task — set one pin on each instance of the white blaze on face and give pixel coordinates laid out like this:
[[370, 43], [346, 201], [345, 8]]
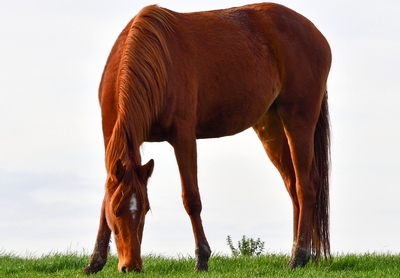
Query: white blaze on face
[[133, 205]]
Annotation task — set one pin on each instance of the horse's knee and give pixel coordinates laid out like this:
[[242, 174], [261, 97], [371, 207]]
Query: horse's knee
[[192, 209], [192, 204]]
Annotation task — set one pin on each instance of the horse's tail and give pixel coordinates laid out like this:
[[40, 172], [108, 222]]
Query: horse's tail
[[320, 237]]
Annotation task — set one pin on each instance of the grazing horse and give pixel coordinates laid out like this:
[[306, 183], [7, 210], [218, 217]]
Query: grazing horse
[[178, 77]]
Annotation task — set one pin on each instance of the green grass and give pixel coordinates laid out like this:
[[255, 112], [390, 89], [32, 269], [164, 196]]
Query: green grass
[[271, 265]]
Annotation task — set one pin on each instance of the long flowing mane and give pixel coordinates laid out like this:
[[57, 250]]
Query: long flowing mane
[[140, 84]]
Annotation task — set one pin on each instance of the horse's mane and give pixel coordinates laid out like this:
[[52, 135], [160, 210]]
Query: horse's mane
[[140, 86], [140, 83]]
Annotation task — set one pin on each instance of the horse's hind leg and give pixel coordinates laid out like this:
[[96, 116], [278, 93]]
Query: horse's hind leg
[[299, 122], [272, 135]]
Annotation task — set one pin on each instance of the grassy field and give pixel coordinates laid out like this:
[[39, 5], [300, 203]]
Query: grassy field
[[71, 265]]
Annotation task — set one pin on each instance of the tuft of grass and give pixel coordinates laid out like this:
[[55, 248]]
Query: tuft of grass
[[266, 265]]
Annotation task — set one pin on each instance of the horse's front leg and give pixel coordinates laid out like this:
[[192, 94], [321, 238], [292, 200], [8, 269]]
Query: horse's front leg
[[186, 156], [99, 255]]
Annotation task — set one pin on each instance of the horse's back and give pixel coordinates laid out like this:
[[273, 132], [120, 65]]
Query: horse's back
[[237, 62]]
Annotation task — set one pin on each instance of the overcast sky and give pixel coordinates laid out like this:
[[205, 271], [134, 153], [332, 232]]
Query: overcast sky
[[52, 54]]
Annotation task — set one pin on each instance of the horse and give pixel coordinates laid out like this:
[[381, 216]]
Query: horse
[[179, 77]]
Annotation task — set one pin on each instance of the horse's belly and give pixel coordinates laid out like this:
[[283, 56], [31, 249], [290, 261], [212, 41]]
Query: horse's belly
[[218, 129], [231, 118]]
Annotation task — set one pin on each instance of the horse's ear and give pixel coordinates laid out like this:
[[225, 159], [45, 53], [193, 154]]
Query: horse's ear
[[118, 171], [146, 170]]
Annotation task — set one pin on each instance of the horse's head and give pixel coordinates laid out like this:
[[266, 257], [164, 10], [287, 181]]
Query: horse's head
[[126, 204]]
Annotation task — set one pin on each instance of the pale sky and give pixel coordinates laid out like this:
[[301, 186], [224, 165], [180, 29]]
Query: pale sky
[[52, 54]]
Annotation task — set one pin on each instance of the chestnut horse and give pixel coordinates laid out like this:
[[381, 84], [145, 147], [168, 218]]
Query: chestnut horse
[[177, 77]]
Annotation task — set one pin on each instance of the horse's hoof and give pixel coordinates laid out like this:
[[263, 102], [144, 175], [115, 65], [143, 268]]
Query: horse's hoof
[[201, 266], [299, 258], [90, 269], [203, 253], [94, 265]]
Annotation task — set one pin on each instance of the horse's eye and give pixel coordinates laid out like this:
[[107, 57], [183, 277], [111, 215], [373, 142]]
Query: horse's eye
[[117, 214]]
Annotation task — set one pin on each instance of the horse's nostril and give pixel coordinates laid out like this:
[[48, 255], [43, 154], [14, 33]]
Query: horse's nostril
[[124, 269]]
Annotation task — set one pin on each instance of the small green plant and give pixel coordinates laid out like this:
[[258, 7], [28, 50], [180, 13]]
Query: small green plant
[[246, 247]]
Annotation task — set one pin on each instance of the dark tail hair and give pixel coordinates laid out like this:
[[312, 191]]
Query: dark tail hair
[[320, 237]]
